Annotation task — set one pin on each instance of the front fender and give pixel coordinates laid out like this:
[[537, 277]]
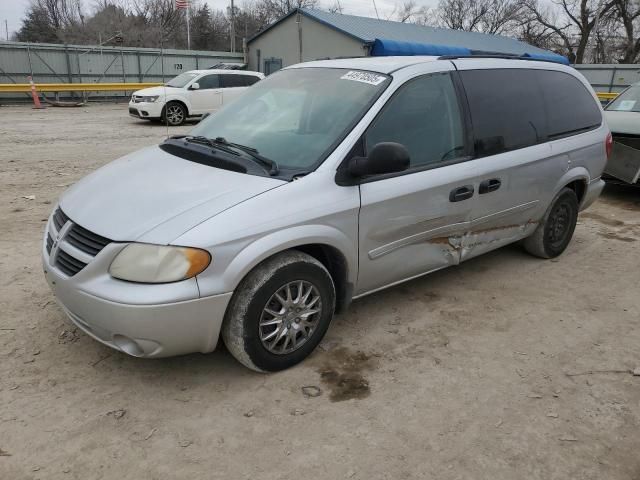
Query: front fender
[[266, 246], [181, 99]]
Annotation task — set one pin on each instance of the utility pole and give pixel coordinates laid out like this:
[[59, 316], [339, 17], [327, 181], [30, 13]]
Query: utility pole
[[232, 29], [6, 28], [188, 27]]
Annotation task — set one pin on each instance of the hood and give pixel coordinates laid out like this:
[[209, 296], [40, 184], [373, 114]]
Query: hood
[[623, 122], [148, 92], [153, 196]]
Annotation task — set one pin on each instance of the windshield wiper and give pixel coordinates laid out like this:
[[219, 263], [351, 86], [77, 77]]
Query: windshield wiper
[[221, 143], [252, 152], [206, 141]]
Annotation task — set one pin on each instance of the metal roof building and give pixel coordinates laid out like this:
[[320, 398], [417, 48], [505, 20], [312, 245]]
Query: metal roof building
[[305, 34]]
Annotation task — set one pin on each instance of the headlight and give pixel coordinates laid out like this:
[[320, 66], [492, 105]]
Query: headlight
[[150, 99], [144, 263]]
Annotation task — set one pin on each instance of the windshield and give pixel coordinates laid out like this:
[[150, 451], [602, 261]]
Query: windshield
[[627, 101], [296, 117], [181, 80]]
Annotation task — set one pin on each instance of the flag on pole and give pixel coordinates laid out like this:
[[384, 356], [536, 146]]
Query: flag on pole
[[184, 5]]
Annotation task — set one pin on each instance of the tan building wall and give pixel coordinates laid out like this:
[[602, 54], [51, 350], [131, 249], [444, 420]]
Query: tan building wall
[[318, 41]]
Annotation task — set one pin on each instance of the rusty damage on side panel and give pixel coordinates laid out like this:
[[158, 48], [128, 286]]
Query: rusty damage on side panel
[[440, 240], [458, 243]]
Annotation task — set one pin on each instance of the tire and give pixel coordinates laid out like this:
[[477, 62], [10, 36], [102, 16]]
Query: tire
[[246, 331], [174, 114], [556, 228]]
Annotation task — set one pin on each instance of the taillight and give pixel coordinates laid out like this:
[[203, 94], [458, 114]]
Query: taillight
[[608, 145]]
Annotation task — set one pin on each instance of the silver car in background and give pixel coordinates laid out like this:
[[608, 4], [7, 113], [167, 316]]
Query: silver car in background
[[323, 183], [623, 117]]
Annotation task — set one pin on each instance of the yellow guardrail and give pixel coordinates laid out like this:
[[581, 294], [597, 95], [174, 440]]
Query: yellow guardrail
[[120, 87], [606, 95], [75, 87]]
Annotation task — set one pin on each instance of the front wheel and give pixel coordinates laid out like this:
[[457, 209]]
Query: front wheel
[[279, 312], [174, 114], [556, 228]]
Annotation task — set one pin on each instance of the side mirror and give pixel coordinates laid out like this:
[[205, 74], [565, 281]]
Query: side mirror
[[195, 86], [385, 157]]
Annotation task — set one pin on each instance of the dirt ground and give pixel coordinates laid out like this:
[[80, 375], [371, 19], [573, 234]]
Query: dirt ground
[[464, 374]]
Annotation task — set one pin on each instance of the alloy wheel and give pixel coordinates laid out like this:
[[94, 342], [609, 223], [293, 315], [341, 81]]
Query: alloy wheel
[[174, 115], [290, 317]]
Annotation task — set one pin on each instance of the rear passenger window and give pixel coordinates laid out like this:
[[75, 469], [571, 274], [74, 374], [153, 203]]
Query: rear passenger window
[[506, 107], [570, 106], [424, 116], [230, 80]]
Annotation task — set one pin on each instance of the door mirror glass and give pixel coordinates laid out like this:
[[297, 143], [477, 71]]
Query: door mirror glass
[[195, 86], [384, 157]]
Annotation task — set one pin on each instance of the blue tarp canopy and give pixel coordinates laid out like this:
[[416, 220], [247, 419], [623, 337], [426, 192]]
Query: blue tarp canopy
[[388, 48], [549, 57]]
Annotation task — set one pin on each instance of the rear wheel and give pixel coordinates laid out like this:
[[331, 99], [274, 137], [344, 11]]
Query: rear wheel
[[174, 114], [556, 228], [279, 312]]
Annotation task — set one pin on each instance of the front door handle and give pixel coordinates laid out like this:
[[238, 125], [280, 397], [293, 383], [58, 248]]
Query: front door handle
[[489, 186], [461, 193]]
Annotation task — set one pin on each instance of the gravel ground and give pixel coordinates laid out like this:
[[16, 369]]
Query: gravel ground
[[506, 367]]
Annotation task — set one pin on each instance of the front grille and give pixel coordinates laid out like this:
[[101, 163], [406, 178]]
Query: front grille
[[87, 241], [133, 111], [59, 219], [68, 264], [76, 236]]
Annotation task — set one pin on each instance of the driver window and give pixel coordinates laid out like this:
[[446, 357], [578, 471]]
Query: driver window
[[209, 81], [424, 116]]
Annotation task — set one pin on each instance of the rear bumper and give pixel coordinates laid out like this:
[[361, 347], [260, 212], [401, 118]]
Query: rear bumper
[[594, 189], [141, 330]]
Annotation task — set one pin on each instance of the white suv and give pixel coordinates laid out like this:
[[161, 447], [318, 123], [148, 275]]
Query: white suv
[[191, 94]]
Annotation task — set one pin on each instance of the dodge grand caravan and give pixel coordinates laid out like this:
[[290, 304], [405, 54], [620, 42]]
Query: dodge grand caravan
[[325, 182]]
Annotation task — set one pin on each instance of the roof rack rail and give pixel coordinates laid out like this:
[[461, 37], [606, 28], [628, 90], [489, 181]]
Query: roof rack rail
[[504, 56]]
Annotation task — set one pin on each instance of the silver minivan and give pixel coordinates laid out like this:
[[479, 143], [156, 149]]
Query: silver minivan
[[325, 182]]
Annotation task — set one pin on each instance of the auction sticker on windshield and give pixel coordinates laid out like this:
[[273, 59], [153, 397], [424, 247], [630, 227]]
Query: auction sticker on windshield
[[364, 77]]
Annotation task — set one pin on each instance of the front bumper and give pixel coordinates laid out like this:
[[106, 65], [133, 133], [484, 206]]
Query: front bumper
[[146, 109], [139, 319]]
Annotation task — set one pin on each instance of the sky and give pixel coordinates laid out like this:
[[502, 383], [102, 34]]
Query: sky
[[13, 10]]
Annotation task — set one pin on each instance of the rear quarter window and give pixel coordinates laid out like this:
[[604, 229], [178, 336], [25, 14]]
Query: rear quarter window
[[517, 108], [570, 106], [249, 79]]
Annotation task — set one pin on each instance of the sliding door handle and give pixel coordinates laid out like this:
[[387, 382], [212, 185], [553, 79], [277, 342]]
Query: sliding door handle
[[461, 193], [489, 186]]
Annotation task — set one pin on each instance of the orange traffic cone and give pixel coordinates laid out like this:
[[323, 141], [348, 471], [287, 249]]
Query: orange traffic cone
[[34, 95]]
